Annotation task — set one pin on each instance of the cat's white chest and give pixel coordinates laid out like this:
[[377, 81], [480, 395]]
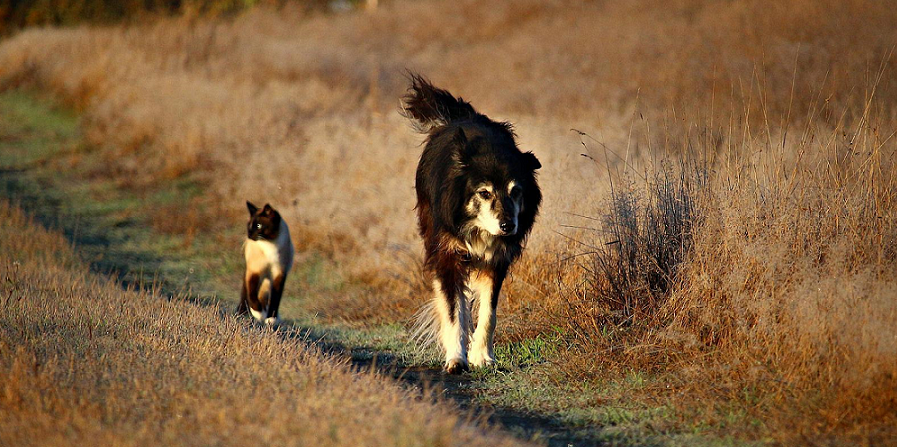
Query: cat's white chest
[[275, 256], [269, 252]]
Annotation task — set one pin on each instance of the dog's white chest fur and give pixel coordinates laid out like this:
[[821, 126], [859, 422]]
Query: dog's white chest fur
[[482, 245]]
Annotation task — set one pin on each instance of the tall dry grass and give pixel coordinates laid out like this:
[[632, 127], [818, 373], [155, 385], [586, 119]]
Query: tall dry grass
[[786, 284], [769, 283], [86, 363]]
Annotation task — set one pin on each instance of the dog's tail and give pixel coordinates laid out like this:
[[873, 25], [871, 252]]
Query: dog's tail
[[429, 107], [425, 326]]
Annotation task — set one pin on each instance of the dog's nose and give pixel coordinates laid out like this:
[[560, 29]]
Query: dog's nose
[[507, 226]]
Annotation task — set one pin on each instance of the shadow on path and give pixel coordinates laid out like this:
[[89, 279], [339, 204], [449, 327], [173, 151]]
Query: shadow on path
[[460, 389], [100, 240]]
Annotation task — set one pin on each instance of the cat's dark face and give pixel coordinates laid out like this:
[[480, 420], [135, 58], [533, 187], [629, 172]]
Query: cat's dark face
[[264, 223]]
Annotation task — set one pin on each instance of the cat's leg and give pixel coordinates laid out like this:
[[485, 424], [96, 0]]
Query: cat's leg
[[243, 307], [264, 297], [274, 301], [253, 284]]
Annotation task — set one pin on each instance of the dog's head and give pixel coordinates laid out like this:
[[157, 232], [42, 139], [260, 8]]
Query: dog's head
[[501, 196], [264, 223]]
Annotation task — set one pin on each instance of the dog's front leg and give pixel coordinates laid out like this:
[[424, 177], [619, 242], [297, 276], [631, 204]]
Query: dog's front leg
[[454, 320], [486, 286]]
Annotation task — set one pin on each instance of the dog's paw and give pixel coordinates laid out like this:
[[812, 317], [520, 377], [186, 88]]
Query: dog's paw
[[480, 358], [272, 321], [455, 366]]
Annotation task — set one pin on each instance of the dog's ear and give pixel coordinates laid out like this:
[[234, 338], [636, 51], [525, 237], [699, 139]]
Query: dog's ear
[[460, 142], [252, 208], [530, 161]]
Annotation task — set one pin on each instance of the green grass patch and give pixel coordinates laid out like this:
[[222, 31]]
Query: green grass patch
[[527, 352], [46, 169], [33, 128]]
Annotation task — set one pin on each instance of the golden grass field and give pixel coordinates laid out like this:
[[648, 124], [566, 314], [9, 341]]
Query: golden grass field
[[87, 363], [785, 304]]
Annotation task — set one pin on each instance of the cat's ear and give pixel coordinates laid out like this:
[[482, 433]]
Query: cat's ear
[[252, 208], [267, 210]]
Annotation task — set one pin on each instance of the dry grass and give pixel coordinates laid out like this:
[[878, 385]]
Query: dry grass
[[86, 363], [787, 289], [646, 233], [783, 305]]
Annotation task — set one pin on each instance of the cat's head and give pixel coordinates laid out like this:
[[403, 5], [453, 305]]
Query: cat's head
[[264, 223]]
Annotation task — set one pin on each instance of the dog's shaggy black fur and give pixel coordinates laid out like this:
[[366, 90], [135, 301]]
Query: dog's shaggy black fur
[[464, 151]]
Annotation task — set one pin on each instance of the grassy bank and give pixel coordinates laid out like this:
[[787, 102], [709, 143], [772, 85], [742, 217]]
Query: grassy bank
[[85, 361], [125, 361], [48, 170]]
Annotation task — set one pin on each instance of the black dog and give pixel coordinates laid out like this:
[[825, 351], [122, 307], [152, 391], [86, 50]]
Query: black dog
[[477, 200]]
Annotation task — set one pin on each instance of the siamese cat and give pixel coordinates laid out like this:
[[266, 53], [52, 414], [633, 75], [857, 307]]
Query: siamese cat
[[269, 257]]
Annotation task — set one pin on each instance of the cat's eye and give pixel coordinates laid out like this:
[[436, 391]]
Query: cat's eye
[[486, 195], [258, 226]]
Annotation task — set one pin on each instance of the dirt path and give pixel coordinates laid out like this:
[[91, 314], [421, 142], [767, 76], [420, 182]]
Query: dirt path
[[46, 207], [463, 391], [104, 223]]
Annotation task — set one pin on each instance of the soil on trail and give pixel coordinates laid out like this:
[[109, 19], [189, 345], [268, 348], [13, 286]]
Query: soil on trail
[[105, 225], [463, 390], [460, 389], [46, 207]]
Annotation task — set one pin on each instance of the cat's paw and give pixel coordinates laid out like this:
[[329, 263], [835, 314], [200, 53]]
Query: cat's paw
[[258, 315]]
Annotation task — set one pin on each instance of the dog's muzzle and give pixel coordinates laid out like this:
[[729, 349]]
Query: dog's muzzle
[[508, 227]]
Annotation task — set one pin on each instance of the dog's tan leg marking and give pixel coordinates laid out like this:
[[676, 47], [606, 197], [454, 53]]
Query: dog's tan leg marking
[[481, 351], [452, 329]]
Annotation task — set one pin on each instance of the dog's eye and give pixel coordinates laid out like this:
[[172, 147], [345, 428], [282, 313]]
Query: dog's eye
[[486, 195]]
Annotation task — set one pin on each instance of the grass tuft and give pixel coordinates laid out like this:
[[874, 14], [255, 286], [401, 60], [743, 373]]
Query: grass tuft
[[647, 234]]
